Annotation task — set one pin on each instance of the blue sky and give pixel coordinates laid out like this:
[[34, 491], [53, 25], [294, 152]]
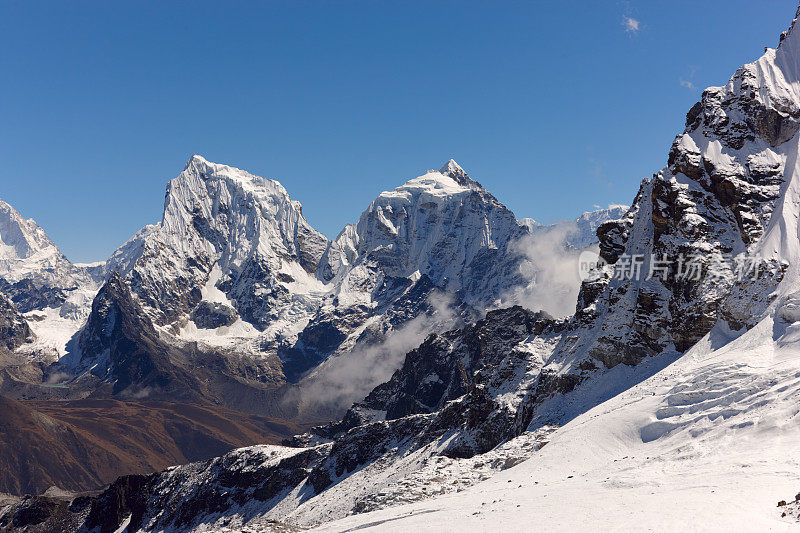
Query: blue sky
[[554, 106]]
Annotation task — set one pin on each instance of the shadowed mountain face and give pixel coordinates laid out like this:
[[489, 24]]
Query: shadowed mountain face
[[127, 346], [125, 357], [14, 330], [82, 445]]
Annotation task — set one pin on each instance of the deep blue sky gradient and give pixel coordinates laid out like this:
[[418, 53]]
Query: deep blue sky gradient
[[553, 106]]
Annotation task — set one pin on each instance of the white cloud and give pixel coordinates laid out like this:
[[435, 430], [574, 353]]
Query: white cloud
[[686, 83], [550, 269], [631, 25], [349, 377]]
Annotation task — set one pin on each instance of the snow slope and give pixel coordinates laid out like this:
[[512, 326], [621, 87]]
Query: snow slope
[[706, 444]]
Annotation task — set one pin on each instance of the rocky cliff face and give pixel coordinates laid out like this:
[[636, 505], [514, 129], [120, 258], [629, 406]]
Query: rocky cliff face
[[124, 355], [725, 177], [447, 365], [118, 340], [14, 330], [226, 231]]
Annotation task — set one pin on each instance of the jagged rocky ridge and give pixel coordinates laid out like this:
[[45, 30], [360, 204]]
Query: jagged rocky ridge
[[265, 474], [14, 330], [729, 188]]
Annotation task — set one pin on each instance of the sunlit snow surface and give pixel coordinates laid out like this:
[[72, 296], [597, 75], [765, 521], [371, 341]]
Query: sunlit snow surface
[[708, 443]]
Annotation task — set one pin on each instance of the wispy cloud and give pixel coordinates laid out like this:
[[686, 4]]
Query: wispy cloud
[[688, 80], [598, 172], [346, 378], [631, 25]]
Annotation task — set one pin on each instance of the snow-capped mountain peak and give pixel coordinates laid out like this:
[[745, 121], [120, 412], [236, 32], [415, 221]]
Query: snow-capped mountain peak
[[245, 228], [442, 224], [25, 248], [582, 231], [454, 170], [451, 167], [39, 279]]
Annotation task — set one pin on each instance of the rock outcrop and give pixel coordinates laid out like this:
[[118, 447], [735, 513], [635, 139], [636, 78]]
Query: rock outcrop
[[14, 329]]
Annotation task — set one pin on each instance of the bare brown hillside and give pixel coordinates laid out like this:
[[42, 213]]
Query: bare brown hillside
[[84, 444]]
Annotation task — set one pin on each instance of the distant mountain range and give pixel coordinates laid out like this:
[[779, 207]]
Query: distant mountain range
[[234, 289]]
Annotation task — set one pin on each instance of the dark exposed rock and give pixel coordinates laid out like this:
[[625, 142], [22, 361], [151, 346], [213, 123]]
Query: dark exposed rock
[[34, 511], [399, 300], [324, 333], [41, 514], [703, 205], [212, 315], [29, 294], [688, 161], [120, 345], [14, 330], [256, 292], [234, 479], [443, 367], [693, 116], [126, 497]]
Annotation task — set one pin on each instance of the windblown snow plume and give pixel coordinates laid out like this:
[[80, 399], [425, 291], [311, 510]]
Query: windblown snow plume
[[550, 264], [550, 268]]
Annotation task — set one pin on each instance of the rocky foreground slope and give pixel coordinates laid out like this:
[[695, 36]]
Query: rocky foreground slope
[[484, 397]]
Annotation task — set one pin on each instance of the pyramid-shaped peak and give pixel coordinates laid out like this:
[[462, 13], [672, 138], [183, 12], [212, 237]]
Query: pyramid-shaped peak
[[451, 167], [454, 171], [197, 161]]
